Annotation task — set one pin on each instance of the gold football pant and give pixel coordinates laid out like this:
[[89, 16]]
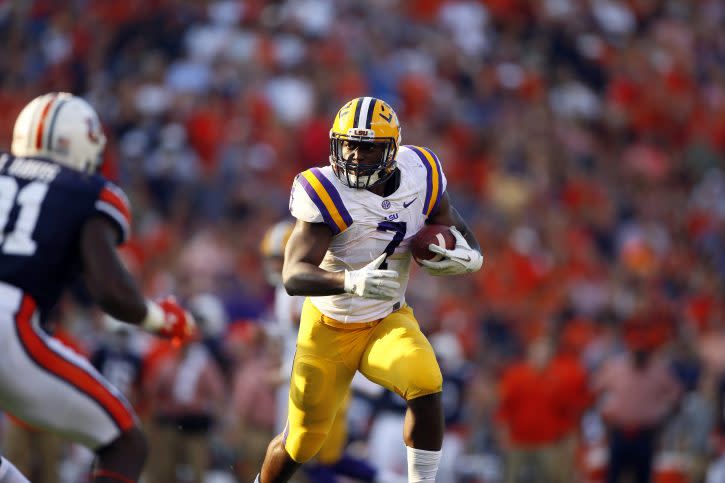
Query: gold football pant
[[392, 352], [334, 445]]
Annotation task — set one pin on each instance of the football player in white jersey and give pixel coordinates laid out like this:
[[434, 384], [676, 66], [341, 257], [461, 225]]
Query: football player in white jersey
[[349, 253]]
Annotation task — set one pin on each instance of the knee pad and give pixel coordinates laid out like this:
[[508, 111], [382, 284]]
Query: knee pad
[[312, 406], [311, 382]]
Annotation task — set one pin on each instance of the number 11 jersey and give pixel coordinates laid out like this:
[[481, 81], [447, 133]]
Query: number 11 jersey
[[365, 225], [43, 206]]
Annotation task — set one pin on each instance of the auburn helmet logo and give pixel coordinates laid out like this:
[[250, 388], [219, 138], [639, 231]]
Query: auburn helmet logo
[[92, 132]]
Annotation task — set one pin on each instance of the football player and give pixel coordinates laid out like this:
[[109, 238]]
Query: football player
[[59, 220], [349, 254]]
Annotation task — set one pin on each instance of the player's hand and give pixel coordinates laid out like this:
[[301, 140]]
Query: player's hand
[[462, 259], [174, 322], [371, 282]]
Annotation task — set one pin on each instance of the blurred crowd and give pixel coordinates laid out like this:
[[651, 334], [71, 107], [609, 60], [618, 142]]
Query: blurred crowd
[[583, 141]]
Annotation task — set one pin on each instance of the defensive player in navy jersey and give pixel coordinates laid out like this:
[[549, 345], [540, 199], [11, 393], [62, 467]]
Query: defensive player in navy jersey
[[58, 221]]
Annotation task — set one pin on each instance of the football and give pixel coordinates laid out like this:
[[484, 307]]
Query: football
[[431, 234]]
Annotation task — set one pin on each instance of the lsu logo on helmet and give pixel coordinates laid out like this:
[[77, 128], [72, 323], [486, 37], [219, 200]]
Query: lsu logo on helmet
[[365, 120]]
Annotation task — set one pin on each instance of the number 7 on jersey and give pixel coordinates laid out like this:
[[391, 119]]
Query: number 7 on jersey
[[398, 228]]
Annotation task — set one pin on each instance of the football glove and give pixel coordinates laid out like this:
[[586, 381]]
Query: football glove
[[372, 283], [462, 259], [169, 320]]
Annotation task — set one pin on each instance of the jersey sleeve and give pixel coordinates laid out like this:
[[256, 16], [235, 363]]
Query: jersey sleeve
[[113, 204], [301, 205], [314, 199], [435, 179]]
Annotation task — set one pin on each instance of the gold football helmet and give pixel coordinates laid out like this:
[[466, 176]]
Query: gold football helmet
[[365, 122]]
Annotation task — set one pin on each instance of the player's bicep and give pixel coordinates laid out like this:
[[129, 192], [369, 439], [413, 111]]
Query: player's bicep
[[445, 214], [98, 246], [307, 244], [107, 279]]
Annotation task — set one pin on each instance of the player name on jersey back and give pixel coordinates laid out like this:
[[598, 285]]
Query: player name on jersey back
[[30, 168]]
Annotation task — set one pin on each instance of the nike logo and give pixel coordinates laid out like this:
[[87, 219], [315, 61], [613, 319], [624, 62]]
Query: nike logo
[[405, 205]]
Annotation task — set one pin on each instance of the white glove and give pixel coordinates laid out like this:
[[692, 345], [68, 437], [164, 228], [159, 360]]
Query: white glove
[[371, 283], [462, 259]]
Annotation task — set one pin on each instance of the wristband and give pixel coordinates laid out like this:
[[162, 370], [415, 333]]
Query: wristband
[[155, 318]]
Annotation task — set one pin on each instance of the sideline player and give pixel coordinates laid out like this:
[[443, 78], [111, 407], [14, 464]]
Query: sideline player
[[349, 253], [59, 220]]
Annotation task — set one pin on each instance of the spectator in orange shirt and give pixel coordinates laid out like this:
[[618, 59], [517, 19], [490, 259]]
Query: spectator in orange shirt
[[535, 412]]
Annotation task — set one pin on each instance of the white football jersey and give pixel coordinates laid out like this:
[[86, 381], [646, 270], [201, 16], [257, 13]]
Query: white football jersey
[[366, 224]]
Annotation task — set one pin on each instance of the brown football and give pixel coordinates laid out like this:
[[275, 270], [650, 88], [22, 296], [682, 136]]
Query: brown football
[[431, 234]]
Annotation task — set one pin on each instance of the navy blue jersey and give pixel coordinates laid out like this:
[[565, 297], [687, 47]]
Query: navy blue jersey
[[454, 394], [43, 207]]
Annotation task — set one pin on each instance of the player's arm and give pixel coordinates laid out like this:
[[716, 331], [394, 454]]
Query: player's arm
[[115, 290], [302, 275], [108, 281], [466, 257], [305, 249], [446, 214]]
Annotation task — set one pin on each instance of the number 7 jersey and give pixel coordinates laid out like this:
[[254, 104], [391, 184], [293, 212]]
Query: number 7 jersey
[[43, 207], [365, 225]]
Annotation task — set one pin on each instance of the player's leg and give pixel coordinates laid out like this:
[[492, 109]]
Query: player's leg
[[53, 388], [9, 473], [317, 388], [333, 460], [401, 359], [334, 445], [322, 469], [122, 460], [324, 364]]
